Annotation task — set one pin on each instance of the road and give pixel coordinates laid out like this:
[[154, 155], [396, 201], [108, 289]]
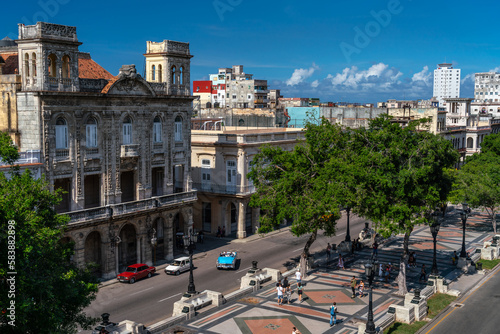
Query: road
[[151, 300], [478, 314]]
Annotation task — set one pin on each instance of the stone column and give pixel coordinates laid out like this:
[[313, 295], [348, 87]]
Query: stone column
[[169, 238], [242, 233], [241, 181], [138, 248]]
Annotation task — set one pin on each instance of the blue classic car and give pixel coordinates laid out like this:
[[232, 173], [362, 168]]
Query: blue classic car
[[227, 260]]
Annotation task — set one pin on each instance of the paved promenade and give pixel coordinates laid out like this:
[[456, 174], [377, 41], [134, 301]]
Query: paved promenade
[[260, 312]]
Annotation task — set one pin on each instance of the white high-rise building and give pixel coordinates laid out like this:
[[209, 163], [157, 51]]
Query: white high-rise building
[[446, 83], [487, 87]]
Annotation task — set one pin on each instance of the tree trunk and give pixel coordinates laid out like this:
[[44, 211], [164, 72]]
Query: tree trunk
[[305, 254], [491, 212], [401, 279]]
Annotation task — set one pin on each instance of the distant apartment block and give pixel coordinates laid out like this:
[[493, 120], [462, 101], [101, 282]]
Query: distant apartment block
[[486, 87], [446, 83]]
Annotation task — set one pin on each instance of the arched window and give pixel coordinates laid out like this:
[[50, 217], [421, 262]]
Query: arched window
[[181, 75], [91, 128], [61, 133], [33, 64], [160, 73], [174, 81], [52, 65], [27, 65], [65, 67], [153, 73], [178, 129], [157, 130], [127, 131]]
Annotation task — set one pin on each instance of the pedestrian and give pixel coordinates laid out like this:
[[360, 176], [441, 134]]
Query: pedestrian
[[300, 288], [200, 237], [328, 252], [341, 262], [279, 288], [353, 286], [298, 277], [223, 231], [353, 246], [454, 258], [423, 273], [288, 293], [380, 270], [333, 314], [284, 282], [387, 273], [295, 331], [361, 289], [375, 249], [219, 232]]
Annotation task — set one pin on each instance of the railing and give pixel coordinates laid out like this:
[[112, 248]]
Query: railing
[[53, 81], [93, 151], [223, 189], [92, 85], [130, 150], [62, 153], [158, 87], [114, 210], [66, 82], [157, 146]]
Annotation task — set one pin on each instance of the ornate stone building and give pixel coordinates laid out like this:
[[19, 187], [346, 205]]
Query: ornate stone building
[[119, 146]]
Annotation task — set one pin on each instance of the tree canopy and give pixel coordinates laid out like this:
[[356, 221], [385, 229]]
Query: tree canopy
[[49, 291]]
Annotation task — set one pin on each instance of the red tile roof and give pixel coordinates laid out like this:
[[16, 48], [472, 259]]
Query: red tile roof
[[106, 89], [11, 63], [89, 69]]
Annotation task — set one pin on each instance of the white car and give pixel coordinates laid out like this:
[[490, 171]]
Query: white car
[[178, 266]]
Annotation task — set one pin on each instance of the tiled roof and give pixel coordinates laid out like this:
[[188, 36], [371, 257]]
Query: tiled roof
[[89, 69], [106, 89], [11, 63]]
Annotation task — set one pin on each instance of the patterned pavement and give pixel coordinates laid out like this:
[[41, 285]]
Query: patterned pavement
[[260, 312]]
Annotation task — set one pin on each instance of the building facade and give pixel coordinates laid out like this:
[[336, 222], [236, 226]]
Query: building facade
[[118, 146], [486, 87], [446, 83]]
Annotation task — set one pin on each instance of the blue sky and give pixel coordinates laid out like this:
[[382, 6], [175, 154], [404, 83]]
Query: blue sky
[[358, 50]]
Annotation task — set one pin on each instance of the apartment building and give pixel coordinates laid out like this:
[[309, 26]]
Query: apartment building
[[446, 83]]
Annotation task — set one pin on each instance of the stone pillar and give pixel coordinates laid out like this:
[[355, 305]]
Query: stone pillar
[[242, 233], [117, 262], [223, 212], [138, 248], [169, 238]]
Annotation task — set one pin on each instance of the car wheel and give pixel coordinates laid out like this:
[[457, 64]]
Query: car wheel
[[177, 273], [149, 275], [132, 280]]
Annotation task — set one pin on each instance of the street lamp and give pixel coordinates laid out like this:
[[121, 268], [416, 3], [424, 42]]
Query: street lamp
[[191, 247], [463, 215], [370, 272], [348, 234], [434, 231]]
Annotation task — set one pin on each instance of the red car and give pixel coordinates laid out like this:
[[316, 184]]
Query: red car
[[135, 272]]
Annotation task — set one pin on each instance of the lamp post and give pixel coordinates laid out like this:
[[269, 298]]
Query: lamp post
[[348, 234], [370, 272], [463, 215], [191, 247], [434, 231]]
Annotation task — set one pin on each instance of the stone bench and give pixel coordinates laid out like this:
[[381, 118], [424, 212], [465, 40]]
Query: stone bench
[[161, 326], [189, 305]]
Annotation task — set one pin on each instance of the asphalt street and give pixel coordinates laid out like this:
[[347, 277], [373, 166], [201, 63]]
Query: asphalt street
[[151, 300], [476, 312]]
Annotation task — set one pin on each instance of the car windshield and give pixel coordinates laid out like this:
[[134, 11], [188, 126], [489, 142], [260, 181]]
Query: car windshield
[[176, 263], [131, 270]]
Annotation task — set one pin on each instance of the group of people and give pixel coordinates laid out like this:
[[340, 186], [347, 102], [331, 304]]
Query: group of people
[[360, 286], [221, 233], [284, 289]]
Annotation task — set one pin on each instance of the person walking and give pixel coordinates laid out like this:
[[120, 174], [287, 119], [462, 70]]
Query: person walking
[[295, 331], [353, 286], [288, 293], [279, 288], [454, 258], [328, 252], [298, 277], [361, 289], [423, 274], [219, 232], [200, 237], [284, 282], [375, 249], [333, 314], [300, 288], [223, 231], [341, 262]]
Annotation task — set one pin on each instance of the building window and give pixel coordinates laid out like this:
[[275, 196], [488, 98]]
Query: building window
[[181, 75], [157, 130], [153, 73], [174, 81], [33, 64], [27, 64], [61, 134], [160, 74], [52, 65], [178, 129], [91, 128], [65, 67], [127, 131]]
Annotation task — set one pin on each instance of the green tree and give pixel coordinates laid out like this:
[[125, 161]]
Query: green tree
[[295, 185], [49, 291], [400, 177], [478, 181]]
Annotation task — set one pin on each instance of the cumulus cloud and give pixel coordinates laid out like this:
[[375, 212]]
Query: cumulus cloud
[[301, 74], [315, 83], [354, 78], [423, 75]]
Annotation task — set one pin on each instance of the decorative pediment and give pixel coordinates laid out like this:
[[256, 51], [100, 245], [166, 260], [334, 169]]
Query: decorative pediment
[[128, 82]]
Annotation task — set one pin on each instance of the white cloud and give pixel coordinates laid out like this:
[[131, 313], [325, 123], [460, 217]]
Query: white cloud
[[315, 83], [423, 75], [300, 74], [379, 74]]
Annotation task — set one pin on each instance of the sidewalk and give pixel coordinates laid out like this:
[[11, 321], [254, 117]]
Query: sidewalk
[[260, 313]]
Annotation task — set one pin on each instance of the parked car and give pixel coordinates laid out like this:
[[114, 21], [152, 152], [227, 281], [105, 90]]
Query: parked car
[[178, 266], [136, 272], [227, 260]]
